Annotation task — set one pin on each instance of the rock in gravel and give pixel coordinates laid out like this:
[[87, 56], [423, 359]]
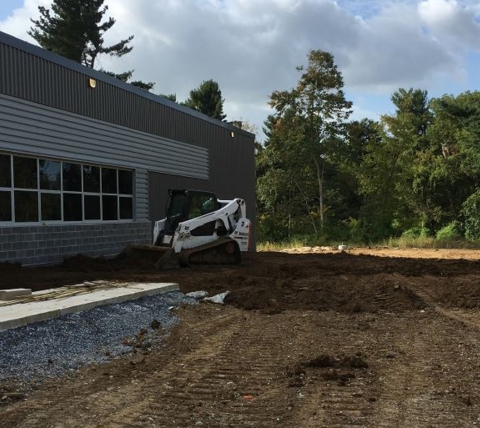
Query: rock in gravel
[[155, 324], [197, 294], [218, 298]]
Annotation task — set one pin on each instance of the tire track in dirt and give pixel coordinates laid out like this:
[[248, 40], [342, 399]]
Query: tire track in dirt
[[420, 387], [337, 406], [331, 392], [216, 386], [118, 406], [431, 298]]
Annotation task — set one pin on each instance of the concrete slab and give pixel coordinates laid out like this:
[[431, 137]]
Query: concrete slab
[[14, 293], [19, 314]]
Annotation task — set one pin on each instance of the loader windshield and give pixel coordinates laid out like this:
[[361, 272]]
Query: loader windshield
[[188, 204], [176, 209]]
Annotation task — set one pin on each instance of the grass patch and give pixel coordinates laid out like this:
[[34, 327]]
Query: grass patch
[[431, 243], [278, 246], [426, 242]]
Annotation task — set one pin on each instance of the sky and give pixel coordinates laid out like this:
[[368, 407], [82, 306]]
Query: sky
[[252, 47]]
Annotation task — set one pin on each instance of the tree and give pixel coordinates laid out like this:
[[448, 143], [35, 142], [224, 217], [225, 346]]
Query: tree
[[348, 157], [279, 208], [313, 116], [74, 29], [207, 99], [125, 77], [394, 176], [456, 139], [171, 97]]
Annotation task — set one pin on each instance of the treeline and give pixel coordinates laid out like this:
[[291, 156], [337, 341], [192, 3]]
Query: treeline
[[415, 173]]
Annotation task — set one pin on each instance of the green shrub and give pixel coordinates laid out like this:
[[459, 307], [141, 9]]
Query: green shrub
[[471, 213], [270, 229], [416, 232], [451, 232]]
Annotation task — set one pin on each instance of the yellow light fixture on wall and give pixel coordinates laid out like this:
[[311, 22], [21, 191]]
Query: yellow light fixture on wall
[[92, 83], [232, 134]]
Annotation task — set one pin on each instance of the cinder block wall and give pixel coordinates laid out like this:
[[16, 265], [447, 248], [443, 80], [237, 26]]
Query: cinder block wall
[[34, 245]]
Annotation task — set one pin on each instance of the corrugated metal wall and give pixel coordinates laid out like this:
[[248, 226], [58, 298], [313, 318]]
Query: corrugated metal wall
[[232, 174], [31, 73]]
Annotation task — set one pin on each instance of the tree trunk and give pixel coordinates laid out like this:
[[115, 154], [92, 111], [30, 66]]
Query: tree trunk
[[305, 200], [320, 170], [289, 215]]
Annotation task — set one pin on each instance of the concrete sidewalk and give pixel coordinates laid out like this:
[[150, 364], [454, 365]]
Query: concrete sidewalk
[[17, 314]]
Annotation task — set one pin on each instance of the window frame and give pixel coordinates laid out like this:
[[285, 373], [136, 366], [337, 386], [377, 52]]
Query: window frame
[[40, 191]]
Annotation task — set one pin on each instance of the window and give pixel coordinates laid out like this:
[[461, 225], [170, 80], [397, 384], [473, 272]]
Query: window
[[126, 208], [109, 180], [91, 179], [110, 208], [5, 171], [72, 207], [125, 179], [72, 177], [92, 207], [36, 190], [26, 206], [5, 188], [51, 207], [50, 175], [25, 173], [5, 206]]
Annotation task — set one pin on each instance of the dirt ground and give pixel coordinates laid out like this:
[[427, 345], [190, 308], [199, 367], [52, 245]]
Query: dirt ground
[[367, 338]]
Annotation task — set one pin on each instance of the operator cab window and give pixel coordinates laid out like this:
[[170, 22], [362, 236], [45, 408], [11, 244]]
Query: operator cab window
[[201, 205]]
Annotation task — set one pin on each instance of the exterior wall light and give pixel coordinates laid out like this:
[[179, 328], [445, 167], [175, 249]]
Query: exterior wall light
[[92, 83], [232, 134]]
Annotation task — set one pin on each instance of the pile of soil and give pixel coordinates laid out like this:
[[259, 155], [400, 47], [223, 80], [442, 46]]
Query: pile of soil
[[275, 282]]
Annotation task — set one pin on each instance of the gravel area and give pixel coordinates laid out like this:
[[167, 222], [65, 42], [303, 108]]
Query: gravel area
[[61, 345]]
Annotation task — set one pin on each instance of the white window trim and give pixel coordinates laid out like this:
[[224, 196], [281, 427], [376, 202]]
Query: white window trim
[[61, 192]]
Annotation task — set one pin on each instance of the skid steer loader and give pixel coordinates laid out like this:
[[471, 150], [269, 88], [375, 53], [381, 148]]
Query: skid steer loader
[[200, 229]]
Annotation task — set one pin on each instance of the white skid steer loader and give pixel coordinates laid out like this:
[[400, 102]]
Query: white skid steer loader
[[200, 229]]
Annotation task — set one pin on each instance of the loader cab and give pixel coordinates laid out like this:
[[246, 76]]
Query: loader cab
[[187, 204]]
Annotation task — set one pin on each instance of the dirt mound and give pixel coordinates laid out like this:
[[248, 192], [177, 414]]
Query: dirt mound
[[101, 265], [327, 368], [343, 293]]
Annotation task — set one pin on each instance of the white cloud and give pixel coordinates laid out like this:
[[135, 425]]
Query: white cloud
[[252, 47], [394, 51], [451, 23], [18, 23]]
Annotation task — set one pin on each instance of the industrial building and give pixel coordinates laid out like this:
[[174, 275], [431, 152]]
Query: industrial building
[[86, 160]]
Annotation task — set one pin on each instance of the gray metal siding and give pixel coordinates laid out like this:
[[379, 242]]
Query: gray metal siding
[[141, 194], [30, 128]]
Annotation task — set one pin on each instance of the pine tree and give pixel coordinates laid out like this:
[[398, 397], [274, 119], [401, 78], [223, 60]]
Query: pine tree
[[207, 99], [74, 29]]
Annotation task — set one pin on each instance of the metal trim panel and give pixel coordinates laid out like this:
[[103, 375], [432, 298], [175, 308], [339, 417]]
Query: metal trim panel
[[39, 130]]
